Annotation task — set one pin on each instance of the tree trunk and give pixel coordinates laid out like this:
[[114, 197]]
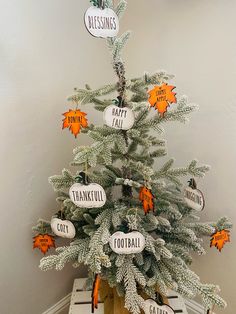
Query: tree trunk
[[113, 304]]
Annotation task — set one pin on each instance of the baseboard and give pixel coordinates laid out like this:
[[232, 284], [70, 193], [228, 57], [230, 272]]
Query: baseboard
[[59, 306], [64, 303]]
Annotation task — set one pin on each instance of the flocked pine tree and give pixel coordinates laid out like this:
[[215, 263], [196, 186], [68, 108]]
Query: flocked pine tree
[[125, 158]]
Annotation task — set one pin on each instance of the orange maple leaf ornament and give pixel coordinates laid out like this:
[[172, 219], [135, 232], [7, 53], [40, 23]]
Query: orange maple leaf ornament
[[219, 239], [95, 292], [161, 96], [43, 242], [146, 197], [74, 120]]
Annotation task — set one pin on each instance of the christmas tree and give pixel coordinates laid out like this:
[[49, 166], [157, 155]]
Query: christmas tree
[[141, 198]]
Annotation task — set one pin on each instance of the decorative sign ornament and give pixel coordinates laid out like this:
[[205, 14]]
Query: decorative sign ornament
[[219, 238], [74, 120], [95, 292], [161, 96], [146, 197], [63, 228], [119, 117], [152, 307], [101, 22], [194, 197], [43, 242], [87, 196], [127, 243]]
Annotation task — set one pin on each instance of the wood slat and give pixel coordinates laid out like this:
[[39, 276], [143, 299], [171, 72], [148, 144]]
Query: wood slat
[[81, 300], [85, 309]]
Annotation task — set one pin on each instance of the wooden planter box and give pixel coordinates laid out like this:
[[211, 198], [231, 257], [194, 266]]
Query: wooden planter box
[[112, 303]]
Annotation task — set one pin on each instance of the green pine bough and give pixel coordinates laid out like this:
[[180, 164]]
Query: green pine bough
[[125, 159]]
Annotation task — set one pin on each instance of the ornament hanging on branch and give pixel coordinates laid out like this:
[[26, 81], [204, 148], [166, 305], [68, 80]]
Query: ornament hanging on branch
[[100, 21], [146, 197], [75, 120], [43, 242], [127, 243], [87, 195], [63, 228], [119, 117], [95, 292], [219, 238], [153, 307], [160, 97], [193, 196]]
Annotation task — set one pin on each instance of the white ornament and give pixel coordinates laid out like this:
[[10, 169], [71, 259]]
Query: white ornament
[[119, 117], [152, 307], [63, 228], [194, 198], [101, 22], [127, 243], [87, 196]]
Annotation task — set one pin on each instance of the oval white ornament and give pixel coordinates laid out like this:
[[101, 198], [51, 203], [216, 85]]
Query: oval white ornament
[[63, 228], [119, 117], [127, 243], [101, 22], [87, 196], [152, 307], [194, 198]]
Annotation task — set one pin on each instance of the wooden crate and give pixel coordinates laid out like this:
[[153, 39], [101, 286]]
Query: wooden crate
[[81, 301], [177, 303]]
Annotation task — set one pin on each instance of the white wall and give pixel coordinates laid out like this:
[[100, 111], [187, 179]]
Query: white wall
[[45, 52]]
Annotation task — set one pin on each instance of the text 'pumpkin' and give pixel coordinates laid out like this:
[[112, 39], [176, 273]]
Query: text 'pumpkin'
[[75, 120], [161, 96], [43, 242]]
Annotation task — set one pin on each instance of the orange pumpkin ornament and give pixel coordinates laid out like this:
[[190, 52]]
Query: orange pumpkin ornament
[[43, 242], [146, 197], [95, 292], [74, 120], [161, 96], [219, 238]]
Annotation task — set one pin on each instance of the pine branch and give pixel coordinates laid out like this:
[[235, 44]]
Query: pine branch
[[63, 181], [172, 174]]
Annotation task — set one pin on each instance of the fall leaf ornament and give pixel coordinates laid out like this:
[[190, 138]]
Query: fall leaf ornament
[[96, 285], [219, 238], [146, 197], [75, 120], [160, 97], [43, 242]]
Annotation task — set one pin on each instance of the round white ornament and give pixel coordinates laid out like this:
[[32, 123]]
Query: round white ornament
[[194, 197], [127, 243], [63, 228], [119, 117], [87, 196], [101, 22], [152, 307]]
